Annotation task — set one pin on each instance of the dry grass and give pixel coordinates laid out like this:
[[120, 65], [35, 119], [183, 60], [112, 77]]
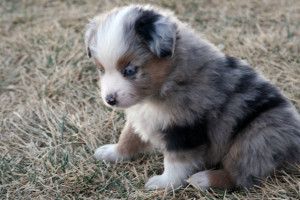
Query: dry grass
[[51, 116]]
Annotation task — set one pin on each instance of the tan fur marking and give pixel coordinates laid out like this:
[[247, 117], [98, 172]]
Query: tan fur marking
[[99, 65], [157, 71], [171, 157], [233, 154], [123, 61], [181, 156], [130, 143], [220, 179]]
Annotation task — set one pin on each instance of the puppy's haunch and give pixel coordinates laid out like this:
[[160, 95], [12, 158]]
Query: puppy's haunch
[[186, 98]]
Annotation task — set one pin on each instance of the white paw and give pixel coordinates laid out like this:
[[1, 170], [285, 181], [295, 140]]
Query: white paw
[[200, 180], [108, 154], [161, 182]]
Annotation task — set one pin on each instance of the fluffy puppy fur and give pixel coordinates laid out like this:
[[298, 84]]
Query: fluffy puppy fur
[[183, 96]]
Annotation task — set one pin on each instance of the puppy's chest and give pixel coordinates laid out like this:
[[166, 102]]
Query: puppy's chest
[[149, 121]]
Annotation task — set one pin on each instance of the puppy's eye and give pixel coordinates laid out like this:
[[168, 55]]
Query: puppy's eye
[[130, 70]]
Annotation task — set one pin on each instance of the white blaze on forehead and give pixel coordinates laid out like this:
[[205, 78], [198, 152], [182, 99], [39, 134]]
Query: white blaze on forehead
[[110, 42]]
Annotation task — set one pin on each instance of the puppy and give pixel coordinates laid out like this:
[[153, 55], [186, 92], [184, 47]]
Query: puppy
[[183, 96]]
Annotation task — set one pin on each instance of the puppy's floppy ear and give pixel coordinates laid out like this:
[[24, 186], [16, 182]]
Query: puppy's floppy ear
[[157, 31], [90, 31]]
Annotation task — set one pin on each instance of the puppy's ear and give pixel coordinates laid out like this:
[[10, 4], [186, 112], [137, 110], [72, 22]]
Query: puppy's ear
[[157, 31], [90, 31]]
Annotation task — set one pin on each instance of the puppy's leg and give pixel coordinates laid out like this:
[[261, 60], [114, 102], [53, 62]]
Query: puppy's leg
[[176, 170], [129, 145], [204, 180], [257, 154]]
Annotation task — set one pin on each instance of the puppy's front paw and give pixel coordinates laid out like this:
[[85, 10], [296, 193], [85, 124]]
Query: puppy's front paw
[[108, 154], [200, 180], [161, 182]]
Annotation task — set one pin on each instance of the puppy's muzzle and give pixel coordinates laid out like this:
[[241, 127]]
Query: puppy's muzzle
[[111, 99]]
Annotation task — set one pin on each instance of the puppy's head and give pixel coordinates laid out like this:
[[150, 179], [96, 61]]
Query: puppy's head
[[133, 49]]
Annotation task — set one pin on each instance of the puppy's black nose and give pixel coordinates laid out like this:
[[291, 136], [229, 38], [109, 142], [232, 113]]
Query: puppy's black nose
[[111, 99]]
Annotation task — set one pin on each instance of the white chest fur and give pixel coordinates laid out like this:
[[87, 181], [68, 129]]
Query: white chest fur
[[148, 120]]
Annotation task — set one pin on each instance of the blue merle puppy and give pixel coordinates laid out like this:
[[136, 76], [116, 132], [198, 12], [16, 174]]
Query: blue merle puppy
[[184, 97]]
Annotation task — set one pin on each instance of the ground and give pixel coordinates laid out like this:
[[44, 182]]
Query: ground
[[52, 118]]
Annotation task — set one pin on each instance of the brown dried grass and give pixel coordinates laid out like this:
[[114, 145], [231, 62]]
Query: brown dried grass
[[51, 116]]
